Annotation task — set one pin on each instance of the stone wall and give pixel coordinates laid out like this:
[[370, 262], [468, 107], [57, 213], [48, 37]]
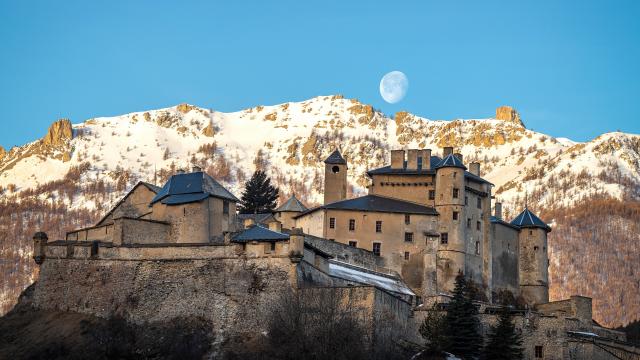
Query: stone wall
[[504, 250]]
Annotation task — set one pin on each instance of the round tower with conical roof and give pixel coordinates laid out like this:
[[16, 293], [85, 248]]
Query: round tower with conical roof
[[335, 178], [533, 259], [449, 202]]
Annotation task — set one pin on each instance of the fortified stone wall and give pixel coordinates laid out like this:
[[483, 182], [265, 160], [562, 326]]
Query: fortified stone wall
[[504, 250]]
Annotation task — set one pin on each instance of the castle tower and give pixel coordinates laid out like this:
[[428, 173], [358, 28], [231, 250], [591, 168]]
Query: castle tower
[[335, 178], [450, 204], [533, 261]]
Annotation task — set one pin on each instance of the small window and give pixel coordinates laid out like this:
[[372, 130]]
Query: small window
[[407, 219], [406, 255], [353, 243], [535, 248], [432, 194], [444, 238], [378, 226], [352, 224], [332, 239], [538, 351], [332, 223], [184, 211], [456, 192], [468, 223], [479, 203], [530, 232], [273, 246], [376, 249], [477, 247], [335, 169], [466, 200], [478, 225], [419, 162], [454, 175], [408, 237], [225, 207], [455, 215]]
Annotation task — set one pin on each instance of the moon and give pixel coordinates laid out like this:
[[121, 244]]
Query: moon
[[393, 86]]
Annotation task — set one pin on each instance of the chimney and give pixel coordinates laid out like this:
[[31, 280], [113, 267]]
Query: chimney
[[275, 226], [459, 156], [498, 210], [196, 168], [180, 171], [397, 159], [446, 151], [296, 245], [249, 222], [426, 159], [474, 168], [412, 159]]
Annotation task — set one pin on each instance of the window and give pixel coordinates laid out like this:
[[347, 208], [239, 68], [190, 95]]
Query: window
[[406, 255], [538, 351], [273, 246], [352, 224], [335, 169], [456, 193], [477, 247], [225, 207], [408, 237], [378, 226], [468, 223], [332, 239], [432, 194], [444, 238], [376, 249], [455, 215], [535, 248], [530, 232], [407, 219], [466, 200], [419, 162], [478, 225], [353, 243], [332, 223], [479, 203]]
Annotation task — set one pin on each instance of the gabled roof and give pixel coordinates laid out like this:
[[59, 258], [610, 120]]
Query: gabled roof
[[527, 219], [495, 220], [293, 205], [375, 203], [259, 233], [191, 187], [435, 161], [149, 186], [451, 161], [335, 158]]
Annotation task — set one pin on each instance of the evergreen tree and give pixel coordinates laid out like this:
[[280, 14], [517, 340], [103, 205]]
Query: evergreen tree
[[433, 330], [462, 324], [504, 342], [259, 195]]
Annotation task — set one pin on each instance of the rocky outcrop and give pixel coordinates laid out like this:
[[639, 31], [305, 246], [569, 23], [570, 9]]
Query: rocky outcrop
[[507, 113], [60, 132], [3, 152], [209, 130]]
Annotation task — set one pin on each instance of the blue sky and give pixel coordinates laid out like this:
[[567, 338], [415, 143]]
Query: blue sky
[[572, 68]]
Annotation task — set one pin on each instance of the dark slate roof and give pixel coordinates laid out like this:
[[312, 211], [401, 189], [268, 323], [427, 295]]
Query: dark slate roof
[[335, 158], [293, 204], [387, 170], [375, 203], [495, 220], [527, 219], [191, 187], [259, 233], [451, 161]]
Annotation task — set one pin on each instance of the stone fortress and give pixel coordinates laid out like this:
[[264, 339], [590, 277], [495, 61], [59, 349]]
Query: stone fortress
[[180, 250]]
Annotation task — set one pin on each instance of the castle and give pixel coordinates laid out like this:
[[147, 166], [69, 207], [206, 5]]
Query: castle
[[182, 250]]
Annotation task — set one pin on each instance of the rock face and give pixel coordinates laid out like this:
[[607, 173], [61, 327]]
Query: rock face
[[3, 152], [507, 113], [59, 133]]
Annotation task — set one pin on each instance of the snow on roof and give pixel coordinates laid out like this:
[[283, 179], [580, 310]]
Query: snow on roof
[[344, 271]]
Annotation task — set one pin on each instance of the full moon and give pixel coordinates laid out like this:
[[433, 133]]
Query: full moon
[[393, 86]]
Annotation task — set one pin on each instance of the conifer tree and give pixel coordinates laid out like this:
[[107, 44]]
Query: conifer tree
[[259, 195], [462, 324], [504, 342], [433, 330]]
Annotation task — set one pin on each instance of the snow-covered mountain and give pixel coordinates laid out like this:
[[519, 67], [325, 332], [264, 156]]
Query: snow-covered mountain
[[82, 169], [294, 138]]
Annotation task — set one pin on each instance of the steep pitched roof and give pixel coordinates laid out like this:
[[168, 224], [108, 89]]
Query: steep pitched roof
[[527, 219], [259, 233], [335, 158], [435, 161], [191, 187], [293, 205], [149, 186], [375, 203], [451, 161]]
